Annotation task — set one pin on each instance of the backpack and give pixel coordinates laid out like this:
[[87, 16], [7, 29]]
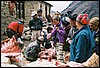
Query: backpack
[[31, 52]]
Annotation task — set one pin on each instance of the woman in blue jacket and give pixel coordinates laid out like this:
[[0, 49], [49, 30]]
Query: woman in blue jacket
[[83, 41]]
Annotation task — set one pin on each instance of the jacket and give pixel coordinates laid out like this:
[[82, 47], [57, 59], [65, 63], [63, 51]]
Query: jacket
[[35, 24], [96, 37], [32, 50], [82, 45], [71, 32], [60, 34], [17, 27]]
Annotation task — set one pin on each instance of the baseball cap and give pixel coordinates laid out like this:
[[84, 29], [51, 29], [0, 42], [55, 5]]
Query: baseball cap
[[33, 13], [65, 20]]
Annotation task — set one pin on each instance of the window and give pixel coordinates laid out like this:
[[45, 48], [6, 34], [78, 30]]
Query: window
[[20, 12], [41, 6], [46, 10]]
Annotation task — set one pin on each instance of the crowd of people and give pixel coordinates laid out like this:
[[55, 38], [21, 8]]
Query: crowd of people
[[73, 35]]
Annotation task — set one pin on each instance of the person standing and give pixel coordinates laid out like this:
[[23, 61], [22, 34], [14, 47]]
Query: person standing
[[94, 26], [83, 41], [73, 28], [39, 14], [35, 26], [60, 32]]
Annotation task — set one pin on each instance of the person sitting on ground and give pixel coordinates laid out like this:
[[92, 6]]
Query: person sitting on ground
[[32, 50]]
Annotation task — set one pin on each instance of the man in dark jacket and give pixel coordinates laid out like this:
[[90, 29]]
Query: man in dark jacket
[[35, 26]]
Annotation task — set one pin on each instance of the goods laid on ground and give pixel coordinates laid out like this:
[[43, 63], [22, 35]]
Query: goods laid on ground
[[5, 62], [8, 65], [9, 51], [93, 61], [11, 56], [48, 54], [10, 46], [41, 63], [75, 64]]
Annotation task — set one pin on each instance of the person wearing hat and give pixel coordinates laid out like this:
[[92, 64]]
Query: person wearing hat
[[35, 26], [83, 40], [73, 28], [70, 33], [66, 26], [32, 50], [94, 26]]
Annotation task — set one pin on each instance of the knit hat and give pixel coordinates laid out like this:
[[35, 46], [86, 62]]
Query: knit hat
[[94, 21], [73, 17], [33, 13], [65, 20], [83, 19]]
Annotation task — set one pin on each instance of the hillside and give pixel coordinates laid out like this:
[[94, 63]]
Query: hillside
[[89, 7]]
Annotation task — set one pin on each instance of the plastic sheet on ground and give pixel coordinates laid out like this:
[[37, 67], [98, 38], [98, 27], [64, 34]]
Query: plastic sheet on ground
[[41, 63]]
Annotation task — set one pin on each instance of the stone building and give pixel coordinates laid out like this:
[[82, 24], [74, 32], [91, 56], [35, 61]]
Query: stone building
[[15, 10]]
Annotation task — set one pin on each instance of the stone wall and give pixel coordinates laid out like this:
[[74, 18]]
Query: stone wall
[[29, 6], [6, 17]]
